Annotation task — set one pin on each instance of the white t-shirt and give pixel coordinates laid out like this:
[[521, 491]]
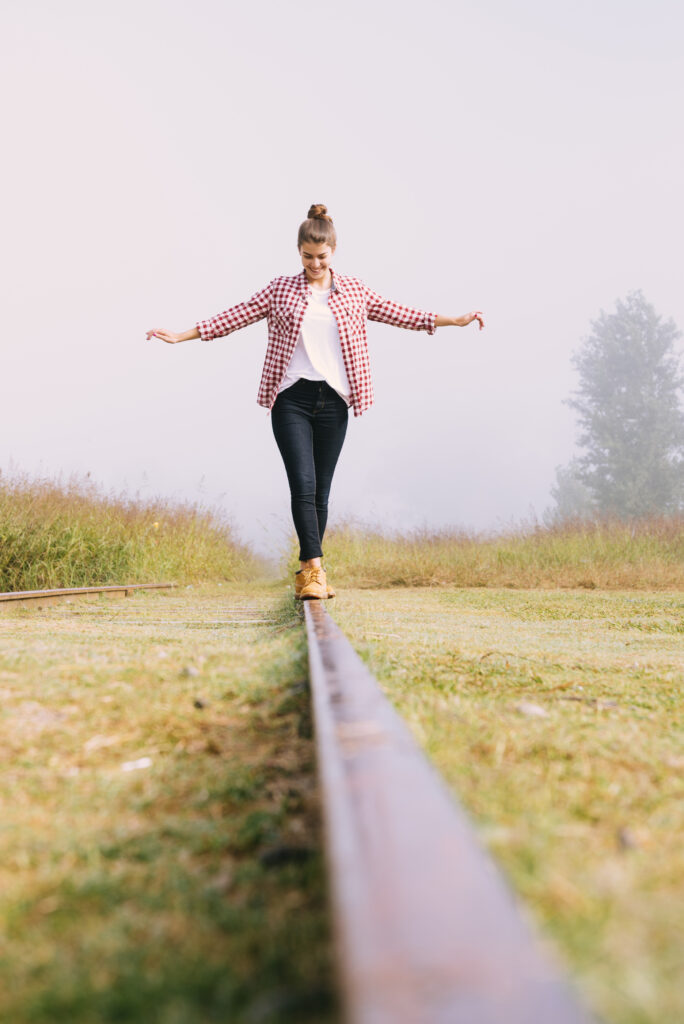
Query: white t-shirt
[[318, 352]]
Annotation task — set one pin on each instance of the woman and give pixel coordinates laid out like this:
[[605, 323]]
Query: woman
[[316, 367]]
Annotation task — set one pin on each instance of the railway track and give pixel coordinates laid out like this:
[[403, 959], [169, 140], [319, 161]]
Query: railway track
[[35, 598], [427, 931]]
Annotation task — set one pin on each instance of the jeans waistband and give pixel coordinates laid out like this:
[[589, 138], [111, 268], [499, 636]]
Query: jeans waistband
[[304, 384]]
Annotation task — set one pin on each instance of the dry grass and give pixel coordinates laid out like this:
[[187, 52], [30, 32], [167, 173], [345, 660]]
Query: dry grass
[[557, 718], [159, 850], [647, 555], [64, 534]]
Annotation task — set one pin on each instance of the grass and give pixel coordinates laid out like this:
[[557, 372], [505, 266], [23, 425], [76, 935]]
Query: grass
[[159, 839], [56, 534], [557, 719], [159, 850], [60, 534], [643, 555]]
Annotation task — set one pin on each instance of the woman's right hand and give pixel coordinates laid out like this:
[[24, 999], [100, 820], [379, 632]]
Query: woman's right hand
[[168, 336]]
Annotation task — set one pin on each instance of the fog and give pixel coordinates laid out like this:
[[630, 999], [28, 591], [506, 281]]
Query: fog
[[523, 159]]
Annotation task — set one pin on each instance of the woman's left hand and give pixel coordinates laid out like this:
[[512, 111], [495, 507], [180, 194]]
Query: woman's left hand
[[460, 321], [467, 318]]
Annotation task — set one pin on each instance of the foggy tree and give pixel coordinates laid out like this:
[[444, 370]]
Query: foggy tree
[[632, 426], [571, 496]]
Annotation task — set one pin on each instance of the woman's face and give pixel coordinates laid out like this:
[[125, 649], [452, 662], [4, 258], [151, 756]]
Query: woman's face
[[316, 259]]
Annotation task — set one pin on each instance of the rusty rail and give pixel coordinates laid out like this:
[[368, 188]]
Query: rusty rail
[[40, 597], [427, 930]]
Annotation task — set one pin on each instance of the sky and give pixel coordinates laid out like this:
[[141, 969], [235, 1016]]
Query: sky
[[523, 159]]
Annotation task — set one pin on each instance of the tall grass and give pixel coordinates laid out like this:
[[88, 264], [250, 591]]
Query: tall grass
[[603, 553], [70, 534]]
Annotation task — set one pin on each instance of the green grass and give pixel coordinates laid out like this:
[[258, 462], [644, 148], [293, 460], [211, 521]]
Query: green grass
[[55, 534], [557, 719], [160, 858], [643, 555], [190, 889]]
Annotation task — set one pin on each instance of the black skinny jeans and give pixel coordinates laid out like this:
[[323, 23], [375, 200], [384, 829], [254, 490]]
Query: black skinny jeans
[[309, 424]]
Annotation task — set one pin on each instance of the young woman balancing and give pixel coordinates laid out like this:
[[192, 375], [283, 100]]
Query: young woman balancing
[[316, 367]]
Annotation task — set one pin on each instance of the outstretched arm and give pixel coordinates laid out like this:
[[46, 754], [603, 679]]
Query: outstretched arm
[[389, 312], [459, 321], [170, 337], [232, 319]]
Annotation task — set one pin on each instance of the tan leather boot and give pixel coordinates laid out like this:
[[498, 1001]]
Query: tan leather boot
[[311, 584]]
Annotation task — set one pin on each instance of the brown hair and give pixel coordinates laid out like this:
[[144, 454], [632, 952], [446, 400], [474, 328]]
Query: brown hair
[[318, 228]]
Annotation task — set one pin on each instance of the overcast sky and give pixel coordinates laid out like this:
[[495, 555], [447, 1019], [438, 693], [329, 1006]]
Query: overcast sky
[[521, 158]]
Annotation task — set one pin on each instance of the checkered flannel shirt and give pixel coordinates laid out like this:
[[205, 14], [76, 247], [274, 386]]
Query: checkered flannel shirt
[[284, 301]]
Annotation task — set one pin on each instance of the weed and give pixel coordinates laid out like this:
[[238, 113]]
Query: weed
[[605, 554], [56, 534]]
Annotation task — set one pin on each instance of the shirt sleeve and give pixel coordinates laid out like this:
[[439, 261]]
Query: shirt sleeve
[[388, 312], [242, 315]]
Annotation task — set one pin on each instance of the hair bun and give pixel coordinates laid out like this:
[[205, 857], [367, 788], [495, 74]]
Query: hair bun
[[318, 212], [318, 228]]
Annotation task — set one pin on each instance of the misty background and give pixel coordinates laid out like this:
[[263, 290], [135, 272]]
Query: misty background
[[524, 159]]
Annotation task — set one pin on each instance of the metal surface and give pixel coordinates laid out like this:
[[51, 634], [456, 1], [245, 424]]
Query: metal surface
[[427, 930], [40, 597]]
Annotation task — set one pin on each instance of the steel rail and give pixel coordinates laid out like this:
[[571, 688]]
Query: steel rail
[[39, 597], [427, 931]]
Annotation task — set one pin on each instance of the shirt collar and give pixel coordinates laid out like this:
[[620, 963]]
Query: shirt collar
[[335, 281]]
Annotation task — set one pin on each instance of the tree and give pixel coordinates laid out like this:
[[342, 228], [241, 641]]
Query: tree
[[632, 425], [572, 497]]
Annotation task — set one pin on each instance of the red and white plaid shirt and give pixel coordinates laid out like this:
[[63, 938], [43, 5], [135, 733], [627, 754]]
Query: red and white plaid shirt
[[284, 301]]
